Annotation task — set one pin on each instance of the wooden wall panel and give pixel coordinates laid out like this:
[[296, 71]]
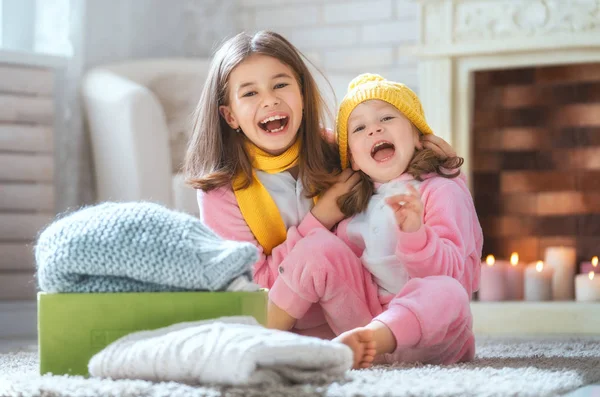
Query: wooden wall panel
[[26, 138], [25, 227], [27, 80], [24, 109], [27, 191], [17, 286], [16, 257], [26, 168], [24, 197]]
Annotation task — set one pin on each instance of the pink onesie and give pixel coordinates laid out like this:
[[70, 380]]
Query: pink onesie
[[220, 211], [315, 269]]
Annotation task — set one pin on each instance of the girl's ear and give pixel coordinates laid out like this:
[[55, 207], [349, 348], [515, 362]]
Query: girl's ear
[[417, 139], [227, 114]]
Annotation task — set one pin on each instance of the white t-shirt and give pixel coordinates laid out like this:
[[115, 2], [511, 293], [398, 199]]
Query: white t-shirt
[[376, 230], [288, 194]]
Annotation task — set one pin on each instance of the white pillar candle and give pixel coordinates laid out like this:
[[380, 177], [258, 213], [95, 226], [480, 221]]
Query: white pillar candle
[[492, 284], [587, 287], [538, 282], [563, 261], [514, 279]]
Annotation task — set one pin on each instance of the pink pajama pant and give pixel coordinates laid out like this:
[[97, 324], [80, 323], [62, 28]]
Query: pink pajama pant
[[324, 284]]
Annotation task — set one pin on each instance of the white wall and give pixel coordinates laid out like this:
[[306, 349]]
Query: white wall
[[343, 38]]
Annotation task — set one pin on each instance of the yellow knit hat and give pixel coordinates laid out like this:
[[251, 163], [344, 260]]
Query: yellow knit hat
[[372, 86]]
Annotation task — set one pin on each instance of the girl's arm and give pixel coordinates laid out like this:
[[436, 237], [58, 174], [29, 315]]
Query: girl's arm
[[219, 210], [450, 240]]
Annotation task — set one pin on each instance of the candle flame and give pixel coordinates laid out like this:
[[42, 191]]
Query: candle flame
[[591, 275], [539, 266], [490, 260], [595, 261], [514, 259]]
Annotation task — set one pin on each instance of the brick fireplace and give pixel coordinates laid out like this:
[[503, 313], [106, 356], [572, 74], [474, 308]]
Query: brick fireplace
[[535, 150], [514, 85]]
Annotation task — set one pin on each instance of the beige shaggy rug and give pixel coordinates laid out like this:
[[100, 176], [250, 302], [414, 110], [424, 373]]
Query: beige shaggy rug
[[504, 367]]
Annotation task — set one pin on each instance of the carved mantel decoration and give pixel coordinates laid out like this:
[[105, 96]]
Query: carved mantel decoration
[[476, 20], [460, 22]]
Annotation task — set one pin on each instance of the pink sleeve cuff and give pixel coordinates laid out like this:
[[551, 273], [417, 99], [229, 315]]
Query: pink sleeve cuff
[[404, 325], [309, 223], [412, 242], [287, 300]]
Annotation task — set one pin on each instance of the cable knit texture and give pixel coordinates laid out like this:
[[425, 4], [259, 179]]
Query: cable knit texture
[[225, 351], [136, 247]]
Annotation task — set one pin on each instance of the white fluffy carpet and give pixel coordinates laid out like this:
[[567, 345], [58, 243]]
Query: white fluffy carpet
[[503, 367]]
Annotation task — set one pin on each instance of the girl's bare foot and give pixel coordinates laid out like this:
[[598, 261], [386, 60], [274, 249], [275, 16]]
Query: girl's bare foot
[[385, 341], [360, 340]]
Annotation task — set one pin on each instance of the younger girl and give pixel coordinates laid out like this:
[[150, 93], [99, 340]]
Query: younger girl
[[414, 228]]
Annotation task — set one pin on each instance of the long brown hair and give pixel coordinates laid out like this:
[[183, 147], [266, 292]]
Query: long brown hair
[[424, 161], [216, 152]]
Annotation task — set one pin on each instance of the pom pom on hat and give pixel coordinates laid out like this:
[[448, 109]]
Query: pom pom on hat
[[362, 79]]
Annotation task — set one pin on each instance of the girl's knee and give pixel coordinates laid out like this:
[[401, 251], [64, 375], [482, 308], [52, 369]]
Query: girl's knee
[[451, 287], [454, 294], [323, 250], [443, 289], [321, 262]]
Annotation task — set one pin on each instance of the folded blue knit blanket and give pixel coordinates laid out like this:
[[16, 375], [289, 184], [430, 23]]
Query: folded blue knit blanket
[[136, 247]]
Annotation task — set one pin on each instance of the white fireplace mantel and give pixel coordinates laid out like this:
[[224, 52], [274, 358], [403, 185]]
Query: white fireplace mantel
[[459, 37]]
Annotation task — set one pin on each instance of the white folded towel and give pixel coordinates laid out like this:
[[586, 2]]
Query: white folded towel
[[226, 351]]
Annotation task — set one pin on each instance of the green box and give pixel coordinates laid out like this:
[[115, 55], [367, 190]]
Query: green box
[[74, 327]]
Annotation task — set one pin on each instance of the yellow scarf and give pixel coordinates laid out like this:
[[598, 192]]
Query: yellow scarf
[[256, 204]]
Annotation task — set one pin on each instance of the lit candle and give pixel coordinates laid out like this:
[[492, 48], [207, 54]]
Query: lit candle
[[538, 282], [514, 279], [592, 266], [563, 261], [587, 287], [491, 287]]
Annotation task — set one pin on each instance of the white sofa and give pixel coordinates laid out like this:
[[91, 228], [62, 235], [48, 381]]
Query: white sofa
[[140, 118]]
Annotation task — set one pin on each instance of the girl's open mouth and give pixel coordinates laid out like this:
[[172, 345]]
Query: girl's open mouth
[[382, 151], [274, 124]]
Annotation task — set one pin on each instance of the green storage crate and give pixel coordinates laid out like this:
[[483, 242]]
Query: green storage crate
[[74, 327]]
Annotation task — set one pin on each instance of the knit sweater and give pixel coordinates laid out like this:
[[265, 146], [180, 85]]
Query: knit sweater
[[136, 247]]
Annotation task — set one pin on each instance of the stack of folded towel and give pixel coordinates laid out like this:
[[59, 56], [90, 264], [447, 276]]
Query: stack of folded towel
[[225, 351], [139, 247]]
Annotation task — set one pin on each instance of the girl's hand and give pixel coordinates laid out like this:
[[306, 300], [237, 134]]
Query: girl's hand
[[438, 145], [326, 210], [408, 209]]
